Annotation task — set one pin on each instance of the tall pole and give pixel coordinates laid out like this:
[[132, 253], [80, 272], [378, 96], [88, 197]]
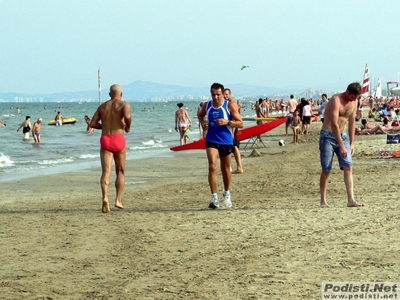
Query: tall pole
[[99, 77]]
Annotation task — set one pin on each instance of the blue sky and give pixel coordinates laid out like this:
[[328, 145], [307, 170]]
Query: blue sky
[[57, 46]]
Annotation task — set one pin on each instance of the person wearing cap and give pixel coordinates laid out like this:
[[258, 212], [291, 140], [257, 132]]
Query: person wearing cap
[[37, 126]]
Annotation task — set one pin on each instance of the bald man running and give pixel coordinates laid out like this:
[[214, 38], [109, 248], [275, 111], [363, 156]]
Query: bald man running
[[113, 118]]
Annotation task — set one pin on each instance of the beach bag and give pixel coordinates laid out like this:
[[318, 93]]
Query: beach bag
[[392, 139]]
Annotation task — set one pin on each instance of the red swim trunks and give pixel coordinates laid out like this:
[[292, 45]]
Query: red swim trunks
[[114, 143]]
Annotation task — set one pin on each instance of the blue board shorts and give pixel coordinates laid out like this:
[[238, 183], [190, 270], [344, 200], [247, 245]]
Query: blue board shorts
[[289, 117], [328, 146]]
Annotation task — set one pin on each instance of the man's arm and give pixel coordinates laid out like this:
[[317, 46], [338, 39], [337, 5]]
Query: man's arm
[[201, 115], [237, 121], [352, 128], [334, 118], [127, 117], [176, 121]]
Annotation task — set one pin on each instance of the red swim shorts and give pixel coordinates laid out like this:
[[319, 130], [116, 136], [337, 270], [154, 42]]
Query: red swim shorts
[[114, 143]]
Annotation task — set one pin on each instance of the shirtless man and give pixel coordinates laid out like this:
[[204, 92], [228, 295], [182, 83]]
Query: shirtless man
[[37, 126], [236, 143], [26, 127], [181, 121], [292, 105], [341, 109], [113, 118], [58, 119]]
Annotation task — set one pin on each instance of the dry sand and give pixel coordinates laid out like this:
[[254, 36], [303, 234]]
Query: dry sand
[[276, 243]]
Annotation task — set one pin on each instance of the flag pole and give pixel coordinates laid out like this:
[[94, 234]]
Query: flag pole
[[99, 78]]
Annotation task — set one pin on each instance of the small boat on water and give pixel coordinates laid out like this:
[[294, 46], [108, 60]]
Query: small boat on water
[[64, 121]]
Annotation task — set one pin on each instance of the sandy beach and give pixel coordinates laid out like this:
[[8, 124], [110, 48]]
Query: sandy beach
[[275, 243]]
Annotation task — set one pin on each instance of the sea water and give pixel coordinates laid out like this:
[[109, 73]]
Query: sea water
[[70, 147]]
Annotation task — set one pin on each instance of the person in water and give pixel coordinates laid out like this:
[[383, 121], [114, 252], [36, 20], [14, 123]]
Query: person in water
[[37, 127], [26, 127], [88, 128], [58, 118], [113, 118]]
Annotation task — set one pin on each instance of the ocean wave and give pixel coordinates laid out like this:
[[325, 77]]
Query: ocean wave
[[84, 156], [147, 147], [5, 161], [149, 143], [55, 161]]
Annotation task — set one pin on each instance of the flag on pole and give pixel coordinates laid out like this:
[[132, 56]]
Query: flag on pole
[[378, 91], [366, 83]]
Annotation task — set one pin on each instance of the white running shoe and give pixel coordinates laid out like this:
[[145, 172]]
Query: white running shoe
[[214, 202], [227, 200]]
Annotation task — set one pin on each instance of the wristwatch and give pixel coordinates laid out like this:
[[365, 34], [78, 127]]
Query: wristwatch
[[230, 123]]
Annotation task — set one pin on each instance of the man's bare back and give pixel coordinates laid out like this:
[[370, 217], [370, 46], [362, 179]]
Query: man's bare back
[[113, 118], [114, 115]]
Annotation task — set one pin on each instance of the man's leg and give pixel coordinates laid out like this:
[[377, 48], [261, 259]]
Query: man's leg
[[323, 186], [226, 172], [238, 159], [348, 180], [106, 165], [120, 161], [212, 155], [288, 122]]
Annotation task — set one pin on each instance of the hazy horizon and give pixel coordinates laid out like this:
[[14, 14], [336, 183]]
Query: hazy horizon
[[55, 46]]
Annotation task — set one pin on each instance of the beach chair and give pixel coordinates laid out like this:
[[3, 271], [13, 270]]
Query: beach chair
[[253, 141]]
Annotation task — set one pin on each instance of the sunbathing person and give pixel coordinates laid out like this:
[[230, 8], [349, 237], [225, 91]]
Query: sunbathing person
[[378, 129], [366, 125]]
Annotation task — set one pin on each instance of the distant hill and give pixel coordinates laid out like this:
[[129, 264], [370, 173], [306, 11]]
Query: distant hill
[[146, 91], [143, 89]]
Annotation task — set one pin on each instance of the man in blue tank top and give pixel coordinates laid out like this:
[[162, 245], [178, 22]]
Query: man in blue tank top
[[222, 116]]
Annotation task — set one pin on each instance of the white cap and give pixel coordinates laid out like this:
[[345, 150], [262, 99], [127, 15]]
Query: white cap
[[40, 119]]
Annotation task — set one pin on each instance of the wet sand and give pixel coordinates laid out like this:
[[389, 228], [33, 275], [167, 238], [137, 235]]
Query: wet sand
[[275, 243]]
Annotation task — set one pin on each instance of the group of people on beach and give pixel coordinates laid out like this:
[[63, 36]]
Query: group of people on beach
[[183, 123], [219, 118]]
